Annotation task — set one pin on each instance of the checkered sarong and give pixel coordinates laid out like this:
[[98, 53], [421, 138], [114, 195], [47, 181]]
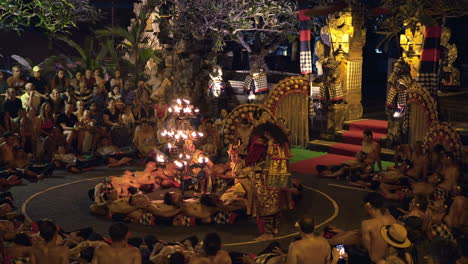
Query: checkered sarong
[[305, 53], [225, 218], [392, 93], [258, 84], [332, 93], [183, 220], [428, 80], [442, 230], [147, 219], [429, 66]]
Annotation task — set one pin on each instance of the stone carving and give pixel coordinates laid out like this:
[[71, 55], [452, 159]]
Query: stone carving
[[450, 75], [400, 80], [331, 95]]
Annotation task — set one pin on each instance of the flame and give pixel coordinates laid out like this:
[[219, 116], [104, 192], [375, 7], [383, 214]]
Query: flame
[[179, 101], [160, 158]]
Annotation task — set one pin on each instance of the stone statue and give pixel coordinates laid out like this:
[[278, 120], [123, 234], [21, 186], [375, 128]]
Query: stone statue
[[331, 96], [400, 80], [450, 75], [216, 85]]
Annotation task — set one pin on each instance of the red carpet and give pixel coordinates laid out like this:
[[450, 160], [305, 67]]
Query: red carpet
[[308, 166], [355, 137], [376, 126], [344, 149]]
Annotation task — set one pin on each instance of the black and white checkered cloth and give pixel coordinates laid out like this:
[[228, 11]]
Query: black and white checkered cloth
[[331, 93], [305, 60], [428, 80], [258, 84]]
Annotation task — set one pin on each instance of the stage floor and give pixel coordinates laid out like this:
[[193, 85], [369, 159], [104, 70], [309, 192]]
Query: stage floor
[[63, 198]]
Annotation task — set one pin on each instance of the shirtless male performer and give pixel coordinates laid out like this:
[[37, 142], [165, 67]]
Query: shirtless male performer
[[370, 228], [300, 251], [213, 254], [47, 251], [119, 251], [420, 162], [356, 166], [372, 149], [450, 173]]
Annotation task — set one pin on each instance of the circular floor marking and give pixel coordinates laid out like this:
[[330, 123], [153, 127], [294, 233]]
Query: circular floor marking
[[336, 209]]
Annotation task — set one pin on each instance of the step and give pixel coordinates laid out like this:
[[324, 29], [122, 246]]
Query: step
[[344, 149], [355, 137], [376, 126]]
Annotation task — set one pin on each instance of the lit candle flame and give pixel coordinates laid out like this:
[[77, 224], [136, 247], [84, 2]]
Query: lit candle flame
[[160, 158], [178, 164], [179, 101]]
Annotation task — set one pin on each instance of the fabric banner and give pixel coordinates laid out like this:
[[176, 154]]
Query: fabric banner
[[429, 68], [305, 52]]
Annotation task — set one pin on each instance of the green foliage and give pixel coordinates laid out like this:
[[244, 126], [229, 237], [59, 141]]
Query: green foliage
[[134, 44], [90, 57], [53, 16], [252, 23]]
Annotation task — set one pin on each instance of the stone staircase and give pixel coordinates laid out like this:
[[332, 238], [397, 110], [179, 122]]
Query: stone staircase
[[348, 141]]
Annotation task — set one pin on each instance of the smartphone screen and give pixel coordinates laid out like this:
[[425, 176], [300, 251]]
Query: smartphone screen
[[341, 249]]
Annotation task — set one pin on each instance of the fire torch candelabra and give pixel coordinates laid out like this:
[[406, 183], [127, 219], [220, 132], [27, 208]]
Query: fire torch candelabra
[[180, 142]]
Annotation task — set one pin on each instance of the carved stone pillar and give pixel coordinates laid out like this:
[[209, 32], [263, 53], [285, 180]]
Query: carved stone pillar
[[353, 89], [354, 71]]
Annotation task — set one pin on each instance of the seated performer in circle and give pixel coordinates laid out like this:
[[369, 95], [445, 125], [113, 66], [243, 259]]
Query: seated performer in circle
[[113, 156], [355, 167], [204, 208], [122, 183]]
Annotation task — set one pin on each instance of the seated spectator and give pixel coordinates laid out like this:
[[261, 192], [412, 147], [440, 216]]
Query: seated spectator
[[67, 121], [46, 120], [113, 156], [52, 143], [128, 95], [27, 168], [115, 94], [357, 169], [48, 251], [64, 159], [83, 93], [16, 81], [40, 84], [144, 139], [31, 98], [57, 103], [212, 252], [20, 251], [117, 80], [300, 251], [371, 228], [395, 236], [118, 251], [89, 79], [60, 82], [12, 105]]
